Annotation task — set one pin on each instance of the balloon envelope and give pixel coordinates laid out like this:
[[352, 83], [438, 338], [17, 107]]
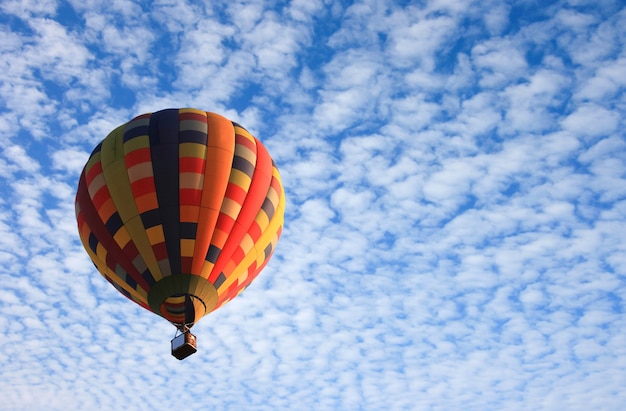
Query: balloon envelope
[[180, 210]]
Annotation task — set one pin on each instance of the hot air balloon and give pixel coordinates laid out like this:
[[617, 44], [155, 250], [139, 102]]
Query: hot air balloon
[[180, 210]]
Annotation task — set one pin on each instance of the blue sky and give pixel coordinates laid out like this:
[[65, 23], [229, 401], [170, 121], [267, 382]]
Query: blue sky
[[456, 182]]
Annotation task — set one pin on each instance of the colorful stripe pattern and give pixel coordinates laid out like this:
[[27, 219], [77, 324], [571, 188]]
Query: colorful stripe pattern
[[180, 210]]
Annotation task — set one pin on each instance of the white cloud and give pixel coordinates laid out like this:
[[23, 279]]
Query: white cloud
[[599, 43], [18, 156], [497, 18], [70, 160], [29, 8], [500, 61], [274, 54], [606, 82], [304, 10], [455, 204], [58, 54], [591, 120], [532, 104], [416, 39], [176, 16]]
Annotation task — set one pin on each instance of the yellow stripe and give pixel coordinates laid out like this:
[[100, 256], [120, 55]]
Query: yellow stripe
[[240, 179], [261, 257], [121, 237], [243, 132], [137, 143], [192, 150], [262, 220], [191, 110], [155, 235], [186, 247], [101, 252], [206, 269]]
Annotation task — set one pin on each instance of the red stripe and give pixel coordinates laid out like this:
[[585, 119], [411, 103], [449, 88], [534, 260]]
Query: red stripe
[[101, 197], [256, 195], [224, 223], [190, 196], [276, 185], [185, 264], [93, 172], [145, 115], [230, 293], [143, 187], [192, 116], [160, 251], [235, 193], [246, 142], [191, 165], [130, 250], [80, 220], [141, 155], [255, 231], [238, 255]]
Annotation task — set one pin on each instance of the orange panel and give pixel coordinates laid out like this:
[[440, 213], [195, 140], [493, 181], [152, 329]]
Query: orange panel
[[220, 149]]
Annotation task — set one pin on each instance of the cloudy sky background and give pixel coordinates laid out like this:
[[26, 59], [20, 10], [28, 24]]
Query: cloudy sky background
[[456, 183]]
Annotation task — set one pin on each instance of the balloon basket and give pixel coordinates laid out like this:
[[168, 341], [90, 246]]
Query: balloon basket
[[184, 345]]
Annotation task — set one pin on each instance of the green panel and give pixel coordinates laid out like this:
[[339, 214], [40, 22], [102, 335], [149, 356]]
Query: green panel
[[179, 284], [116, 177], [202, 288]]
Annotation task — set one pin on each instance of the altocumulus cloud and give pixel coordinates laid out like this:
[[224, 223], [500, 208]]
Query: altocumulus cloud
[[455, 174]]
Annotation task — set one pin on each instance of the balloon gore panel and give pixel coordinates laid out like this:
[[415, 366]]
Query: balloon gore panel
[[180, 210]]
